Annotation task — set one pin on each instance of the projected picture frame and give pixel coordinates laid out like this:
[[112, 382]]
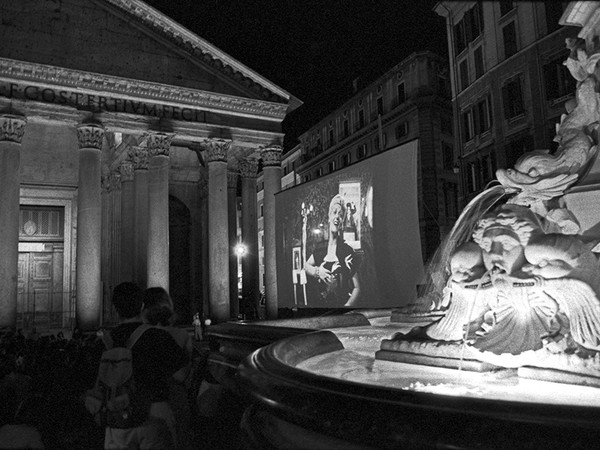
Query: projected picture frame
[[297, 258], [350, 191], [350, 239]]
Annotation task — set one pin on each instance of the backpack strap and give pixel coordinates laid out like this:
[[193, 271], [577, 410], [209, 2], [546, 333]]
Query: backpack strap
[[106, 339], [137, 333]]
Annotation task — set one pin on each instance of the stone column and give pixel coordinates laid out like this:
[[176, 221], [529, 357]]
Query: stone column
[[89, 220], [12, 129], [139, 156], [271, 157], [110, 242], [158, 210], [232, 182], [250, 272], [218, 240], [203, 193], [127, 225]]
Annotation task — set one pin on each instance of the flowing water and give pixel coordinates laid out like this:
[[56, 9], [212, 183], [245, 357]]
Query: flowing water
[[469, 318], [437, 272]]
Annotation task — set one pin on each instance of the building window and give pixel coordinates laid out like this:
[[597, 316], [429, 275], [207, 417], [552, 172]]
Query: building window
[[469, 28], [402, 130], [463, 68], [361, 118], [346, 159], [515, 149], [509, 34], [443, 86], [558, 80], [460, 37], [380, 105], [478, 58], [467, 125], [319, 172], [485, 169], [451, 200], [331, 138], [512, 98], [447, 156], [362, 151], [483, 116], [554, 11], [446, 124], [401, 93], [475, 17], [471, 177], [506, 6], [331, 166], [380, 146], [261, 210], [346, 128]]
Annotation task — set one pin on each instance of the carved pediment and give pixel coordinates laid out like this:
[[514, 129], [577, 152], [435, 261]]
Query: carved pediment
[[126, 39]]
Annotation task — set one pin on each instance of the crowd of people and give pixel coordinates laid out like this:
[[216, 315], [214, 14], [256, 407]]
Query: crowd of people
[[44, 380]]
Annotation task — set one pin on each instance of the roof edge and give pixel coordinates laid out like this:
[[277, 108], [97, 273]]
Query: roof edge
[[186, 38]]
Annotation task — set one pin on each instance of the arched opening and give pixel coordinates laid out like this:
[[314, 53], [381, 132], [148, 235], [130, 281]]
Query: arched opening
[[180, 287]]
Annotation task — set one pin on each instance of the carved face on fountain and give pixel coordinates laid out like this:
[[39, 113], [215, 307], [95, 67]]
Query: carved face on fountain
[[503, 236], [466, 263]]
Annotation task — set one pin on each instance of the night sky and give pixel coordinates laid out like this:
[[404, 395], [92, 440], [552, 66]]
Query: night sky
[[314, 49]]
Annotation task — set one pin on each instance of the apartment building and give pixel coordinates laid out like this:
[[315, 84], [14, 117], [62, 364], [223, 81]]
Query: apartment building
[[409, 101], [509, 84]]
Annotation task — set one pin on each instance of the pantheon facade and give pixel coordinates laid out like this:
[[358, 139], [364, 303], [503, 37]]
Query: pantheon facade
[[125, 140]]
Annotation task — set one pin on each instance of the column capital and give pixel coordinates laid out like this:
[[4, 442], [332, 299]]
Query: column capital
[[249, 168], [126, 170], [159, 144], [217, 149], [271, 156], [139, 157], [90, 135], [232, 179], [12, 127], [111, 182]]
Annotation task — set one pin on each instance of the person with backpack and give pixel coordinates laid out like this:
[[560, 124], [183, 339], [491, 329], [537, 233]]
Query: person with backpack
[[131, 394], [159, 311]]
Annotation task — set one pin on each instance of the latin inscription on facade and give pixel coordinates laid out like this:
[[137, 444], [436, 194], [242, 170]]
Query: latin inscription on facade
[[98, 103]]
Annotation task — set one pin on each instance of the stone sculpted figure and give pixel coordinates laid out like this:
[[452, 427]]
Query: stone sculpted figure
[[539, 176], [524, 278]]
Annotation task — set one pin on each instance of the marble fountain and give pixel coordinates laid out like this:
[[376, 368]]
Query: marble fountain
[[501, 350]]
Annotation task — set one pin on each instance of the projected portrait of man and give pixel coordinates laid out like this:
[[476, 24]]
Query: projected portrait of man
[[334, 268]]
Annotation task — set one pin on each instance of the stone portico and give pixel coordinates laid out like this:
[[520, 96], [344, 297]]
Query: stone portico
[[115, 155]]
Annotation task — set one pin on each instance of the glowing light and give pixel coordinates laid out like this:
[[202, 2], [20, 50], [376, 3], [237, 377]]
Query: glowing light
[[240, 250]]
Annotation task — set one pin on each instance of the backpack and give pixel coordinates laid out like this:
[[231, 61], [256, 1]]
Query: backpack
[[115, 401]]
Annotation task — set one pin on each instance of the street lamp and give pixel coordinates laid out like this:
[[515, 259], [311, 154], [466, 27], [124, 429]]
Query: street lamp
[[240, 250]]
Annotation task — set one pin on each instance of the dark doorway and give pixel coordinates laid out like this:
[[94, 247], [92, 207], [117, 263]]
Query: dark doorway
[[179, 260]]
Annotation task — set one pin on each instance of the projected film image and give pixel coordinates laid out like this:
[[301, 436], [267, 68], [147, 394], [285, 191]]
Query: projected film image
[[351, 238]]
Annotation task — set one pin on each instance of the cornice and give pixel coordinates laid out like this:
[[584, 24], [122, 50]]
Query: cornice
[[201, 49], [125, 88]]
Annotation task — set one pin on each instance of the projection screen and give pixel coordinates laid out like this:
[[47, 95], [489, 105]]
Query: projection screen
[[351, 238]]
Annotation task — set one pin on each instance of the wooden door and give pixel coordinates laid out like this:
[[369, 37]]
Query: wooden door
[[35, 287]]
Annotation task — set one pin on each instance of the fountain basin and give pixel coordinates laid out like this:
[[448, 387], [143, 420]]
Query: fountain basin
[[325, 389]]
